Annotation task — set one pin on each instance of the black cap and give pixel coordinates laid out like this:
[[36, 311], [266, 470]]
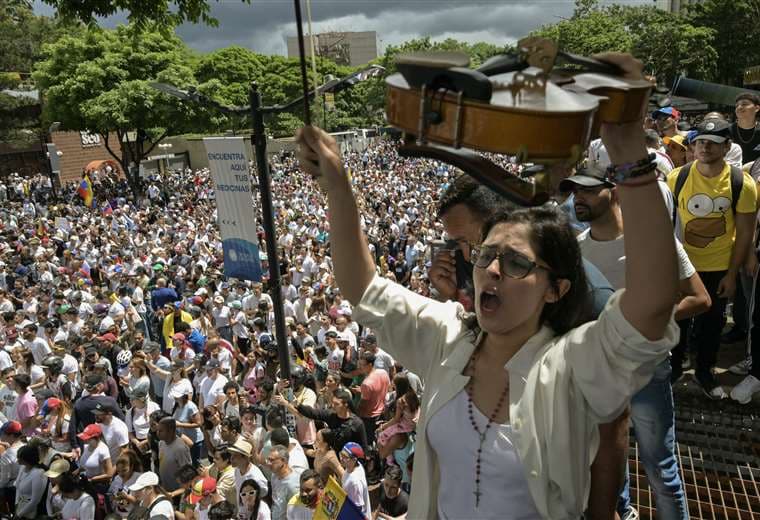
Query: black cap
[[586, 178], [212, 363], [102, 408], [714, 130], [92, 380], [331, 334]]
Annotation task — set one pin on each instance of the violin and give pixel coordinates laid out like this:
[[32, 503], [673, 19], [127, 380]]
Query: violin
[[518, 104]]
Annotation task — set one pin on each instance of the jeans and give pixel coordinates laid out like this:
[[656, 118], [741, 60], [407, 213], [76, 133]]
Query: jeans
[[707, 326], [653, 420]]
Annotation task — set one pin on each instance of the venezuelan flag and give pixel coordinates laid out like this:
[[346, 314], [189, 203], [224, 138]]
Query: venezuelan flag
[[85, 191], [335, 504]]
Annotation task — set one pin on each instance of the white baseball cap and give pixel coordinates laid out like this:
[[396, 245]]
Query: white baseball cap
[[146, 479]]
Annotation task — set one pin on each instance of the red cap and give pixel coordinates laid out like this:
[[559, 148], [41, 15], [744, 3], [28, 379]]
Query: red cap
[[202, 488], [179, 337], [12, 427], [107, 337], [90, 432], [53, 403]]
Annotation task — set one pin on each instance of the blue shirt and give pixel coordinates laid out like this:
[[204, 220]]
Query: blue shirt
[[162, 296]]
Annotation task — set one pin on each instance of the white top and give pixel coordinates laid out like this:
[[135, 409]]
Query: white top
[[609, 257], [138, 420], [211, 389], [30, 486], [91, 459], [82, 508], [264, 512], [183, 385], [39, 348], [116, 436], [355, 486], [163, 508], [221, 316], [503, 486], [253, 473], [560, 388]]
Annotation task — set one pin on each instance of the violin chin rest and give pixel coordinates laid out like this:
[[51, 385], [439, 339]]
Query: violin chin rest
[[513, 188]]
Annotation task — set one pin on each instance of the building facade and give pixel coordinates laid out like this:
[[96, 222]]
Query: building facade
[[675, 6], [344, 48], [78, 149]]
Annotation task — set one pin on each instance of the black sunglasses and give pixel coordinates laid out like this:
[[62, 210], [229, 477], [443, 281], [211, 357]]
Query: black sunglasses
[[511, 263]]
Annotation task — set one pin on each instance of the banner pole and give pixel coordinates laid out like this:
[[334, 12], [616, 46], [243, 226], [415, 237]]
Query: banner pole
[[259, 140]]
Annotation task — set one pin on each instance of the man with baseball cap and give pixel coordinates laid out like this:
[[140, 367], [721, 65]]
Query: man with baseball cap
[[83, 415], [11, 435], [115, 431], [354, 480], [212, 386], [716, 207]]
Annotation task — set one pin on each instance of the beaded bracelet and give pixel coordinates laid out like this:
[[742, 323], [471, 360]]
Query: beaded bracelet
[[622, 172]]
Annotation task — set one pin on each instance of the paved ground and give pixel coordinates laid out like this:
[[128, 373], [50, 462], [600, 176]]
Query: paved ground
[[719, 448]]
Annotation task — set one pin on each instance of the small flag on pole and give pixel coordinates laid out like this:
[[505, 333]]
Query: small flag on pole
[[335, 504]]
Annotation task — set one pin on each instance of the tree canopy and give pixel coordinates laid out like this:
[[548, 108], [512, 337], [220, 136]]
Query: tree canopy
[[669, 44], [98, 80]]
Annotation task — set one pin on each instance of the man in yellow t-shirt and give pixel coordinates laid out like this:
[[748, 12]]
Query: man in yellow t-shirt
[[717, 238]]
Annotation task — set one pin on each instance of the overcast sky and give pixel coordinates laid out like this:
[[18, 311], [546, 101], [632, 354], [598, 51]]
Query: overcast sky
[[263, 25]]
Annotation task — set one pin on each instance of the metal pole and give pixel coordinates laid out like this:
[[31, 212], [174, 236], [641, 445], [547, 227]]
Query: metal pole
[[259, 139]]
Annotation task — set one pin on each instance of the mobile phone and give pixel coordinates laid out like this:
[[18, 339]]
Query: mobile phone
[[435, 247]]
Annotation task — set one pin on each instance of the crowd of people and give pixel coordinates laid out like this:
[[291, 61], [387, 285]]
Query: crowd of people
[[139, 382]]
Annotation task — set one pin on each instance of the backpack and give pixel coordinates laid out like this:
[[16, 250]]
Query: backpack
[[737, 183]]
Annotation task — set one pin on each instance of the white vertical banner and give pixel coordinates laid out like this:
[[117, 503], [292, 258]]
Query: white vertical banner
[[228, 163]]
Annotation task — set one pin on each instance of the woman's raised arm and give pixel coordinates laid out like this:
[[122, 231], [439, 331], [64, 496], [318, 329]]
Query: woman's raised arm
[[353, 265]]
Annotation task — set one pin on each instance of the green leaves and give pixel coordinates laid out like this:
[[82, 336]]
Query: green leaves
[[163, 14], [669, 44]]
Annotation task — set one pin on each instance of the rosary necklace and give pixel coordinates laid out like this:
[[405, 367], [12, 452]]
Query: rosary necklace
[[491, 420]]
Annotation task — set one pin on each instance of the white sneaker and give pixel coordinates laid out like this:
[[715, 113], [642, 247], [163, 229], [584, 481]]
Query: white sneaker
[[744, 391], [631, 514], [742, 368]]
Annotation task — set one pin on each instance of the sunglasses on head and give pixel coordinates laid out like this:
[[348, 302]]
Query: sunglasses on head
[[511, 263], [247, 493]]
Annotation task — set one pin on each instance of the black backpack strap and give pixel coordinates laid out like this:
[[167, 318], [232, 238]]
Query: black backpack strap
[[683, 174], [737, 183]]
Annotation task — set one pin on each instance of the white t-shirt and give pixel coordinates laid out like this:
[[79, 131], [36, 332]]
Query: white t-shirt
[[138, 421], [221, 316], [115, 435], [212, 388], [39, 348], [83, 508], [253, 473], [163, 508], [355, 486], [609, 258], [91, 459]]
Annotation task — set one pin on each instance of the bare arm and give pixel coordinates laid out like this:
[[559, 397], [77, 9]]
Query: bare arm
[[694, 298], [651, 274], [353, 265]]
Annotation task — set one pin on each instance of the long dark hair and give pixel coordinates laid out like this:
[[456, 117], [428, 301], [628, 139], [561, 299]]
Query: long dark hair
[[553, 241], [252, 483]]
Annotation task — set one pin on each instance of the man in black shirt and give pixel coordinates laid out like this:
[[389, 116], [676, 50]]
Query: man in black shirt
[[745, 130], [345, 424], [393, 501]]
